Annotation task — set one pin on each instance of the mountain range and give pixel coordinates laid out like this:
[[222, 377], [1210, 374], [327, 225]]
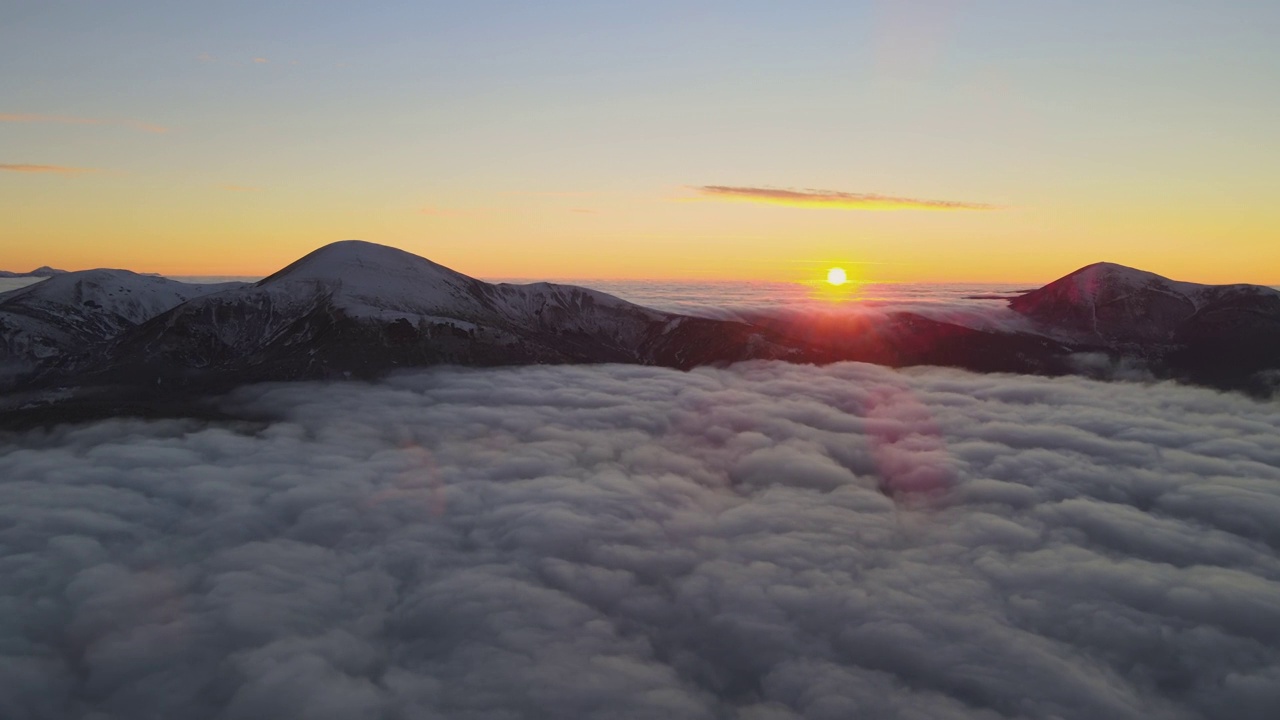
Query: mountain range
[[357, 309], [42, 271]]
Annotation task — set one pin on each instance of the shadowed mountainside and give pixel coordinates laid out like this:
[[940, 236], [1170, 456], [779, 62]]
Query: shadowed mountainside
[[357, 309]]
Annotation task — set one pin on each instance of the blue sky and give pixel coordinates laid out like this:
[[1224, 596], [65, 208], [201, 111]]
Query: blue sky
[[480, 129]]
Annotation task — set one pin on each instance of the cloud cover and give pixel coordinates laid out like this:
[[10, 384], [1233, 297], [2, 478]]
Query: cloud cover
[[831, 199], [768, 541]]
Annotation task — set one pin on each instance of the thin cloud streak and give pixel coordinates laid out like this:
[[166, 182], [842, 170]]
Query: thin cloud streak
[[834, 199], [556, 193], [51, 169], [72, 120]]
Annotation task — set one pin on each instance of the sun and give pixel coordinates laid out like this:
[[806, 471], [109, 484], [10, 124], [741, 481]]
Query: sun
[[837, 276]]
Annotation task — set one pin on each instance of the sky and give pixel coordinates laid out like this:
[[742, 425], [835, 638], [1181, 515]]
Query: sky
[[745, 140]]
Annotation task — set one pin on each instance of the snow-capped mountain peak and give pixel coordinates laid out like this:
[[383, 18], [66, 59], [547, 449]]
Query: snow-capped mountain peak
[[362, 263], [1109, 301], [358, 307], [124, 293], [365, 279]]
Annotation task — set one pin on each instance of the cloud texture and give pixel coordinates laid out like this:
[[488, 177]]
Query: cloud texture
[[819, 302], [831, 199], [764, 542]]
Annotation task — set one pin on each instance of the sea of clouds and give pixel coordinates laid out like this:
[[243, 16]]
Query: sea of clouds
[[764, 542], [978, 306]]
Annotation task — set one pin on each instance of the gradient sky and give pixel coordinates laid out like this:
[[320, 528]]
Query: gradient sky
[[753, 139]]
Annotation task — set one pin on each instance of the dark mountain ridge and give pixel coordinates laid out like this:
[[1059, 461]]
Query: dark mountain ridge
[[1113, 303], [1221, 335], [71, 312], [356, 309]]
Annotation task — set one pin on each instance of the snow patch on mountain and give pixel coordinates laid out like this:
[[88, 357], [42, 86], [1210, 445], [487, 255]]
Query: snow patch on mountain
[[72, 311], [363, 279], [358, 306], [377, 284]]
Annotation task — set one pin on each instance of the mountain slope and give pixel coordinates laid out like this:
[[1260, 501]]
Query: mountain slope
[[1114, 303], [1221, 335], [70, 312], [356, 308], [115, 339]]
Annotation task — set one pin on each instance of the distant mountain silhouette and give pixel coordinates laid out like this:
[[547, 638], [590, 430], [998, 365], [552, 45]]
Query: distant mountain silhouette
[[42, 271]]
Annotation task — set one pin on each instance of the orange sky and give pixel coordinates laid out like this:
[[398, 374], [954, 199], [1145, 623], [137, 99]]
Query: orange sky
[[913, 141], [667, 234]]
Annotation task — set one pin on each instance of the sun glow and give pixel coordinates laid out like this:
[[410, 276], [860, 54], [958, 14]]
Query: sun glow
[[837, 276]]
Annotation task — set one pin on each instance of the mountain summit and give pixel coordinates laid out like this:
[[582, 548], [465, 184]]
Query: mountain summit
[[1112, 303], [357, 308], [363, 279], [1222, 335]]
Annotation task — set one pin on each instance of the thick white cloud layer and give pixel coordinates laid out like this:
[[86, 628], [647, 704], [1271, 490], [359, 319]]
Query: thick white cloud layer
[[764, 542]]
